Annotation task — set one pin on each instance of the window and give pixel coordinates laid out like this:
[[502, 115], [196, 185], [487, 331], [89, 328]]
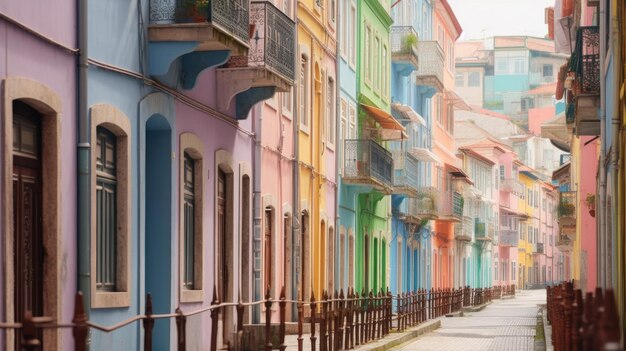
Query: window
[[520, 66], [268, 256], [450, 119], [547, 71], [286, 103], [287, 7], [459, 81], [190, 214], [439, 109], [473, 79], [345, 28], [106, 209], [368, 55], [502, 172], [303, 93], [352, 133], [450, 56], [502, 66], [343, 130], [330, 108], [353, 32], [110, 189], [441, 37], [377, 71], [332, 16], [497, 180], [385, 73]]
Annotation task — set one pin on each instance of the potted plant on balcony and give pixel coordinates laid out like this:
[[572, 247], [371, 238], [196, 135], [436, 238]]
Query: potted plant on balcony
[[590, 201], [566, 209], [194, 11], [410, 41]]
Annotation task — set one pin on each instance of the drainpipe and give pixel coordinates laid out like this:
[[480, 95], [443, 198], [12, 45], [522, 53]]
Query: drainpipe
[[256, 205], [600, 236], [611, 244], [296, 252], [337, 146], [84, 159]]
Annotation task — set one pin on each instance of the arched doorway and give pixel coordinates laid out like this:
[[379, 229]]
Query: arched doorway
[[158, 223]]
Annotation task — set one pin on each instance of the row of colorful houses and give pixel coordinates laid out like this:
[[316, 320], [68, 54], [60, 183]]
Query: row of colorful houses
[[591, 182], [182, 148]]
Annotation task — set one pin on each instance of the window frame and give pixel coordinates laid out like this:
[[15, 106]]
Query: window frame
[[303, 92], [191, 144], [331, 117], [115, 121]]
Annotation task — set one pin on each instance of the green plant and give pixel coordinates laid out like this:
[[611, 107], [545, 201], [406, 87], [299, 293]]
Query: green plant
[[410, 41], [590, 201], [193, 10], [566, 209]]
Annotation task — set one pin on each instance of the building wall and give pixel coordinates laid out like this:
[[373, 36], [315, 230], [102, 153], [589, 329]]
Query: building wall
[[32, 63]]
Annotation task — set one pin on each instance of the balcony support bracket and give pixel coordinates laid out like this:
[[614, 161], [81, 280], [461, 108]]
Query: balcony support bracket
[[195, 62], [163, 53], [249, 85]]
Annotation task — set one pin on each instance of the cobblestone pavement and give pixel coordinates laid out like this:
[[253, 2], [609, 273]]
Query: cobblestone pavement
[[504, 325]]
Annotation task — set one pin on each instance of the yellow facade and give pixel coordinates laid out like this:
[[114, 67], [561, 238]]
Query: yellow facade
[[316, 67], [525, 248]]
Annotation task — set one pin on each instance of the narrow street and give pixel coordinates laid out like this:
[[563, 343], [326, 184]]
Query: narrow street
[[507, 324]]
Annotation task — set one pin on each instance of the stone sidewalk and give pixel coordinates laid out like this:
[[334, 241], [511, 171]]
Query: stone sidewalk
[[507, 324]]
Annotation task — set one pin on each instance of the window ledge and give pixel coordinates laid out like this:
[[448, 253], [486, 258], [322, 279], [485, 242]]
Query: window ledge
[[187, 296], [112, 299]]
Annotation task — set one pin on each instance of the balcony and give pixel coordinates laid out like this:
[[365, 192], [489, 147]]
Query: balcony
[[509, 237], [565, 244], [431, 66], [404, 54], [483, 230], [585, 62], [202, 33], [567, 212], [539, 249], [405, 174], [368, 164], [451, 208], [464, 230], [427, 202], [269, 66], [511, 185]]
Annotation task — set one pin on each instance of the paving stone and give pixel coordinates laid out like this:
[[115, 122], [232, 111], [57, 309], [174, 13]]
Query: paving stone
[[504, 325]]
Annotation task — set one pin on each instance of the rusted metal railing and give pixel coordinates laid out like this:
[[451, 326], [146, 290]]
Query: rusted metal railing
[[337, 321], [581, 325]]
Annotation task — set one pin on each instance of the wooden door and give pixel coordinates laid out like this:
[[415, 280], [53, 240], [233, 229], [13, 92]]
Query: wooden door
[[27, 214]]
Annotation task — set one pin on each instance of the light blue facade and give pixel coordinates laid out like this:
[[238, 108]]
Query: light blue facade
[[346, 195], [410, 246], [183, 101]]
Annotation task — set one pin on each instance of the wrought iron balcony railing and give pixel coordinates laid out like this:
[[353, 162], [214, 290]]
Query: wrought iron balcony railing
[[511, 185], [367, 163], [406, 170], [565, 243], [431, 65], [509, 237], [272, 44], [585, 62], [404, 46], [451, 207], [567, 212], [539, 248], [484, 230], [464, 230], [427, 202], [229, 16]]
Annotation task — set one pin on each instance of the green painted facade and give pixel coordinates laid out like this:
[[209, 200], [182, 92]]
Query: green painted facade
[[373, 216]]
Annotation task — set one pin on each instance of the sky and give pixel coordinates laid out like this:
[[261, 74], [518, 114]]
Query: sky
[[486, 18]]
